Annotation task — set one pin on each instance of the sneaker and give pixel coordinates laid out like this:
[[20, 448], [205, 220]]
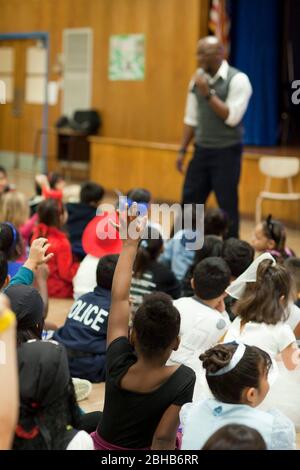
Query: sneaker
[[82, 388]]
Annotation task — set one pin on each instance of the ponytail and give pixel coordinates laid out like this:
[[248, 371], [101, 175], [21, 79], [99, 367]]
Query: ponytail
[[266, 300], [275, 230], [148, 251], [142, 262]]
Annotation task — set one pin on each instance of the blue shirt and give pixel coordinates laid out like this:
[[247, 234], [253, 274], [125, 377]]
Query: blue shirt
[[85, 331], [176, 255], [13, 268]]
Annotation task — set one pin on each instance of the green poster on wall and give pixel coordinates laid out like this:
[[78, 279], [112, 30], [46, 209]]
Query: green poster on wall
[[127, 57]]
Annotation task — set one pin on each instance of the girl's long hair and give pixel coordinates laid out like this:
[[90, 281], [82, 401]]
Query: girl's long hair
[[149, 249], [53, 421], [266, 300]]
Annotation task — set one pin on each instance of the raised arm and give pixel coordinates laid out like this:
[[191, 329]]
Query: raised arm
[[37, 256], [118, 319]]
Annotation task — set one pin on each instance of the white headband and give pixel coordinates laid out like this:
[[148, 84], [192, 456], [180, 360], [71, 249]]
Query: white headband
[[237, 356], [237, 287]]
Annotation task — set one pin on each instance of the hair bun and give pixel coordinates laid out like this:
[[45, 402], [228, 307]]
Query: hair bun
[[217, 357]]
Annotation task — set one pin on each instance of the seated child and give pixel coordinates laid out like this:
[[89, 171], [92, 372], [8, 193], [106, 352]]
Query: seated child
[[264, 292], [216, 222], [27, 304], [62, 267], [212, 246], [99, 239], [51, 185], [203, 318], [270, 236], [81, 213], [238, 254], [237, 376], [84, 332], [176, 254], [235, 437], [11, 246], [25, 275], [148, 273], [15, 210], [143, 198], [143, 396], [49, 414]]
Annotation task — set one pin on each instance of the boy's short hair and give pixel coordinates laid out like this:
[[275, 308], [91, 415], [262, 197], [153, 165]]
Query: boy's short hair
[[91, 192], [238, 254], [211, 278], [105, 271], [139, 195], [212, 246], [215, 222], [3, 170], [293, 266]]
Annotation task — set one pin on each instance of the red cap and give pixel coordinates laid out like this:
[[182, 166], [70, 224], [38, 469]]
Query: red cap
[[100, 238]]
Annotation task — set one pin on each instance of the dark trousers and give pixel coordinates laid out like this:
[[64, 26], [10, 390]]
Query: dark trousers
[[215, 170]]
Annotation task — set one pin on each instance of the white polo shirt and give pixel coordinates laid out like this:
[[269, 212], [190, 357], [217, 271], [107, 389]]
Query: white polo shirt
[[201, 328]]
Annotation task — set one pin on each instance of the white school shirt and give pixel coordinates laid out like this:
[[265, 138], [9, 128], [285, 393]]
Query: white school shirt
[[81, 441], [294, 316], [85, 279], [239, 94], [271, 338], [201, 328]]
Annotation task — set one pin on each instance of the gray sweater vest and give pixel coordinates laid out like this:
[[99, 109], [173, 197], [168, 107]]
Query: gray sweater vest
[[211, 130]]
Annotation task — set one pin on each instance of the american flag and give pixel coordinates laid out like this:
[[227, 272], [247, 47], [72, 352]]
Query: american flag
[[219, 22]]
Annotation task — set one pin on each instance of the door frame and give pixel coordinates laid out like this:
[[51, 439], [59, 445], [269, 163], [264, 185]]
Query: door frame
[[45, 38]]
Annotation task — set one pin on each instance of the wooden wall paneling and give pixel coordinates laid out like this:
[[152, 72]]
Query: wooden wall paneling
[[149, 110]]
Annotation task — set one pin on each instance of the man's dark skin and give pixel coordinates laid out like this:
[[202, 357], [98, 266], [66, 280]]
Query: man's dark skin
[[210, 55]]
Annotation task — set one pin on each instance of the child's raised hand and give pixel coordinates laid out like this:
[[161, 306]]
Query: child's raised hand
[[42, 181], [37, 253], [131, 225]]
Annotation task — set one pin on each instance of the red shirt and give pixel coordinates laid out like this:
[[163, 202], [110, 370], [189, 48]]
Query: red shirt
[[62, 268]]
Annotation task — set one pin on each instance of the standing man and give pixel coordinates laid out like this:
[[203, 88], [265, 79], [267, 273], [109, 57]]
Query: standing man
[[217, 101]]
